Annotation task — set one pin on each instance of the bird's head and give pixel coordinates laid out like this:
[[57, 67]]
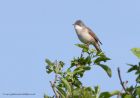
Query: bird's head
[[79, 25]]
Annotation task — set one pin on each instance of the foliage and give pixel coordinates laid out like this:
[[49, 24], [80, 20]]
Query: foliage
[[136, 51], [67, 82], [134, 90]]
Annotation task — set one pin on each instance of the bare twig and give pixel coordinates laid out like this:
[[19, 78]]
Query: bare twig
[[122, 83], [54, 90], [53, 86], [53, 83]]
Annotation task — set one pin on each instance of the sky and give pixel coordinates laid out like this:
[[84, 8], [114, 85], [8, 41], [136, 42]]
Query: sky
[[33, 30]]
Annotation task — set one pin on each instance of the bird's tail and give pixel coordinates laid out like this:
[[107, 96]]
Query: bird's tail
[[97, 47]]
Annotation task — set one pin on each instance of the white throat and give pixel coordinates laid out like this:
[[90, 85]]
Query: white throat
[[78, 28]]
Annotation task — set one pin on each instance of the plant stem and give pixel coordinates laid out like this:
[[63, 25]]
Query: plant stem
[[122, 84], [54, 90]]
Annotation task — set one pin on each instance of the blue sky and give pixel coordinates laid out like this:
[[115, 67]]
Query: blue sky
[[32, 30]]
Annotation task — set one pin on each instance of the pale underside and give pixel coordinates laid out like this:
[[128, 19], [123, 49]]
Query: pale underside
[[84, 35]]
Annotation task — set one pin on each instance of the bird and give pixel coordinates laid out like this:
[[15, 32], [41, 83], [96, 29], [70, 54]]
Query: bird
[[86, 35]]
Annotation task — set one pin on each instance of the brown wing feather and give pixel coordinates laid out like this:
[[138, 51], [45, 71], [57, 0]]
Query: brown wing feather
[[94, 36]]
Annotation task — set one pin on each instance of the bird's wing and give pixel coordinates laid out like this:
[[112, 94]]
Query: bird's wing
[[94, 36]]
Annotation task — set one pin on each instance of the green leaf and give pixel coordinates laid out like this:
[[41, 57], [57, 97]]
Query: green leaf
[[45, 96], [77, 83], [106, 69], [56, 70], [101, 58], [91, 90], [76, 92], [128, 96], [87, 93], [69, 73], [67, 85], [115, 93], [108, 94], [49, 71], [86, 67], [49, 67], [83, 46], [133, 68], [97, 89], [138, 90], [49, 62], [78, 71], [92, 50], [136, 52], [61, 92], [61, 64], [105, 95], [130, 89], [88, 60], [138, 79]]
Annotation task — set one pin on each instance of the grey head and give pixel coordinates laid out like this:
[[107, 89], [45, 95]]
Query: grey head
[[79, 23]]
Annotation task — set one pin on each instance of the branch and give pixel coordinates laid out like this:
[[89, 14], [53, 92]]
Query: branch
[[54, 90], [122, 84], [53, 83]]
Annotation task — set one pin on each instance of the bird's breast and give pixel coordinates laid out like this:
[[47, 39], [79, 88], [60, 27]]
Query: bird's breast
[[84, 36]]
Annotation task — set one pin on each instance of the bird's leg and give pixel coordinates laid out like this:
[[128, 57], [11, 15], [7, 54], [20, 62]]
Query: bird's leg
[[87, 44], [82, 53], [88, 47]]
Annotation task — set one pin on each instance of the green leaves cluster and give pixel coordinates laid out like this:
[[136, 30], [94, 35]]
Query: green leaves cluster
[[136, 70], [95, 58], [134, 90], [67, 82]]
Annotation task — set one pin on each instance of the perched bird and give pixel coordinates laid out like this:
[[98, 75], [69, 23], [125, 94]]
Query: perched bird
[[86, 35]]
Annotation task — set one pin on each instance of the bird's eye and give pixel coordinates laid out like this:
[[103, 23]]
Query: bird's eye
[[79, 25]]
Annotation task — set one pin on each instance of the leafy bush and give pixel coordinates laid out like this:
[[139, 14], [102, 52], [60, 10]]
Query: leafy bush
[[67, 84]]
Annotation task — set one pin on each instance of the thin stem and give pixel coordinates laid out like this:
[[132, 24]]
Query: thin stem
[[122, 84], [54, 90], [53, 83]]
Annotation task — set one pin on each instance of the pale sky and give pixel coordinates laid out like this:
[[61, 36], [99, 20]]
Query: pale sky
[[32, 30]]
